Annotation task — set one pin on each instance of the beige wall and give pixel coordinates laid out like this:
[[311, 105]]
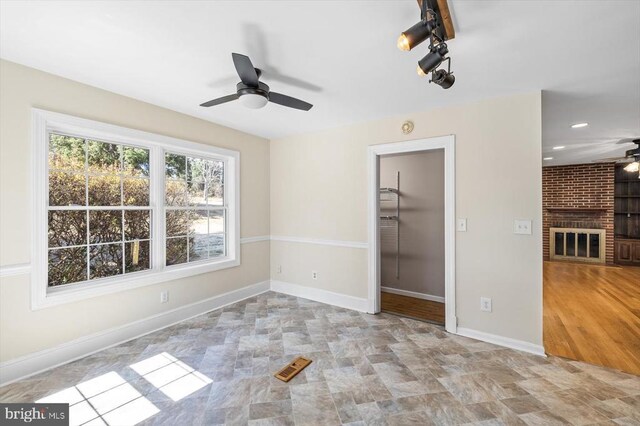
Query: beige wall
[[319, 186], [23, 331], [421, 224]]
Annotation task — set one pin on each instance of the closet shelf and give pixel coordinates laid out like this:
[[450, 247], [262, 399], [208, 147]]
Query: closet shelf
[[388, 191], [389, 217]]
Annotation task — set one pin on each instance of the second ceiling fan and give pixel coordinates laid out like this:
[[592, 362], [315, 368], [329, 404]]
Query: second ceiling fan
[[252, 93]]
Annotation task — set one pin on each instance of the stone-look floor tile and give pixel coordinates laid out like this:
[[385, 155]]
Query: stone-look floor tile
[[265, 410], [315, 410], [467, 389], [366, 370], [371, 414], [346, 406], [543, 418], [524, 404]]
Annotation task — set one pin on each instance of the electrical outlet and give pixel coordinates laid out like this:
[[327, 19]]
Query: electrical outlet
[[485, 304], [522, 227], [164, 296], [279, 269], [314, 275], [461, 225]]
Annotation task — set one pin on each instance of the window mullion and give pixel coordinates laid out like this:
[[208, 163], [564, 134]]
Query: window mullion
[[156, 200]]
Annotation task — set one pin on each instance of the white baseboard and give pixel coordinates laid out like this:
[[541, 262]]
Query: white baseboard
[[508, 342], [413, 294], [318, 295], [37, 362]]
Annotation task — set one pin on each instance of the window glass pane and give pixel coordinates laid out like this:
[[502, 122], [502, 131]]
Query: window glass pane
[[582, 245], [66, 153], [104, 190], [67, 266], [175, 193], [198, 232], [136, 161], [136, 192], [67, 228], [216, 245], [67, 189], [214, 183], [571, 244], [103, 157], [559, 243], [175, 166], [216, 221], [176, 250], [137, 224], [105, 260], [176, 223], [105, 226], [196, 169], [594, 245], [136, 256], [195, 193]]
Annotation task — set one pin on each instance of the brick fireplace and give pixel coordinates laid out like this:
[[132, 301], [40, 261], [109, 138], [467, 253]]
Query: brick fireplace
[[579, 196]]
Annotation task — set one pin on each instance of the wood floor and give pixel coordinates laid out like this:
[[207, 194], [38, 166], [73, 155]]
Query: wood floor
[[425, 310], [592, 314]]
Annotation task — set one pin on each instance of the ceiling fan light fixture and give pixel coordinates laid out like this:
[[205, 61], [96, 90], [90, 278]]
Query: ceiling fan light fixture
[[632, 167], [253, 100]]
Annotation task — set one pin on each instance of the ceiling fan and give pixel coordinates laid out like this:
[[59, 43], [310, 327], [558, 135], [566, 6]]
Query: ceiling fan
[[252, 93], [631, 156]]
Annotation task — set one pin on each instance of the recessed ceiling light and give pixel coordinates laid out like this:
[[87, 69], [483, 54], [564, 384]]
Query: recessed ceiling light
[[547, 158], [578, 125], [558, 147]]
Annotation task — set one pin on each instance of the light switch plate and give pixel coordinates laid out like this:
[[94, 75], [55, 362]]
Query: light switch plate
[[461, 225], [522, 227]]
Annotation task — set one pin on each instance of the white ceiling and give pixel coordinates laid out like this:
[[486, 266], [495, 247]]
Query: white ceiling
[[341, 56]]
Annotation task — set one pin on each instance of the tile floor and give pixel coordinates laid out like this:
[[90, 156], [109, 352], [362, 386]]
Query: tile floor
[[367, 370]]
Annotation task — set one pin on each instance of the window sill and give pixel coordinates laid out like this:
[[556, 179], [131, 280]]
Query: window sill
[[61, 296]]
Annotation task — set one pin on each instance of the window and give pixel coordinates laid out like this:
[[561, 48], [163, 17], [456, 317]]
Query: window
[[118, 208], [194, 208], [99, 215]]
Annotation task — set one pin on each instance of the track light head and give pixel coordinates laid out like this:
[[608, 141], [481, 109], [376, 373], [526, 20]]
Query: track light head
[[416, 35], [443, 78], [433, 59]]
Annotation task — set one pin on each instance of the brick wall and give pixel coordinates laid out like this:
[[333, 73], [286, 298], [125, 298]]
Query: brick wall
[[585, 186]]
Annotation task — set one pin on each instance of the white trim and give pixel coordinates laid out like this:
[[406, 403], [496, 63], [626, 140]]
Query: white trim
[[373, 153], [507, 342], [44, 122], [334, 243], [37, 362], [319, 295], [413, 294], [17, 269], [249, 240]]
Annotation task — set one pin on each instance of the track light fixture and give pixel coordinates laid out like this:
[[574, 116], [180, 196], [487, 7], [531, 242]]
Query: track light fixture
[[430, 27], [416, 34], [433, 59]]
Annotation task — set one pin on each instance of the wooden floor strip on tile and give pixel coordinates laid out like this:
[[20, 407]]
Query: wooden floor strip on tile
[[412, 307]]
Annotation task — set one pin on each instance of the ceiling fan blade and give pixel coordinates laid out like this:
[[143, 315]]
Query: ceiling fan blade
[[628, 140], [221, 100], [288, 101], [246, 70]]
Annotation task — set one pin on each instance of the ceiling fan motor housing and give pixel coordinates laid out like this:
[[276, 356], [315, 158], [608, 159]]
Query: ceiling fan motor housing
[[251, 96]]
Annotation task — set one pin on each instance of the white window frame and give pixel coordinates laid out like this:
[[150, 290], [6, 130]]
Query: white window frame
[[45, 122]]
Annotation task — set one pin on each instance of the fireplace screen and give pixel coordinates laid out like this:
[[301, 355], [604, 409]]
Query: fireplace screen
[[586, 245]]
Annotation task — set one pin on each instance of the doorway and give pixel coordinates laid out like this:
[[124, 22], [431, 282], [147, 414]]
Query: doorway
[[411, 229]]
